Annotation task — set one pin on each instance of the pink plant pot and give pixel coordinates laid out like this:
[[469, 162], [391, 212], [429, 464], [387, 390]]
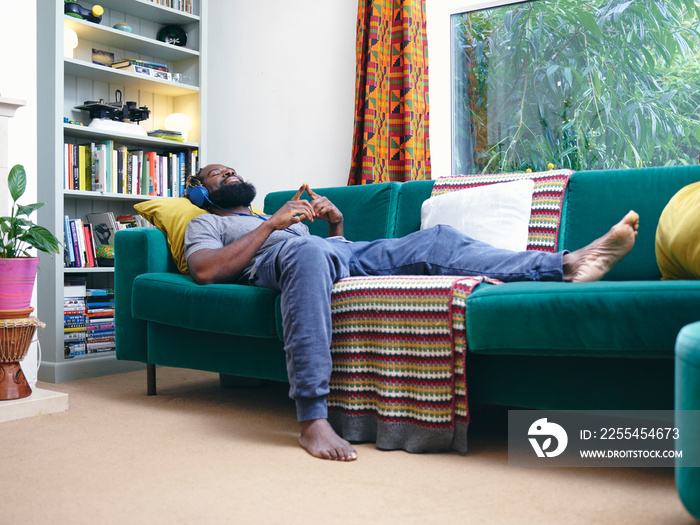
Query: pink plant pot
[[17, 278]]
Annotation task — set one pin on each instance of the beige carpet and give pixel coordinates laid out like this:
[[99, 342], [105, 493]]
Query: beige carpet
[[200, 454]]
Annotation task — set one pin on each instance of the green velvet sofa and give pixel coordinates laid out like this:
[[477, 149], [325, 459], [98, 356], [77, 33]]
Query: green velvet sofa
[[602, 345]]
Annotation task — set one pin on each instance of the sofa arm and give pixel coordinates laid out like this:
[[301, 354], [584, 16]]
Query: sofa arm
[[687, 406], [136, 251]]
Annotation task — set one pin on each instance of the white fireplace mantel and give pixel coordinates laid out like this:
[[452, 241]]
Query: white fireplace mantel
[[8, 107]]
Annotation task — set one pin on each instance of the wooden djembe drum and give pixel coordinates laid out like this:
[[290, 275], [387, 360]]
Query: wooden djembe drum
[[15, 338]]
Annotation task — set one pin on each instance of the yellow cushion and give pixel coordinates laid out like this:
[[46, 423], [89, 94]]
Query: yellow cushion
[[678, 235], [171, 216]]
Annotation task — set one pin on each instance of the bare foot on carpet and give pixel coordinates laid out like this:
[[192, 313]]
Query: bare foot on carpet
[[320, 440], [592, 262]]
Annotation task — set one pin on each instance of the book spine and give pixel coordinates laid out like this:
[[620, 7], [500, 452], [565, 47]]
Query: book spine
[[100, 168], [145, 170], [66, 166], [121, 159], [93, 167], [76, 167], [76, 245], [106, 158], [115, 157], [151, 172], [129, 174], [86, 167], [79, 233], [101, 306], [68, 241], [183, 172], [171, 175], [136, 176], [89, 247], [127, 62]]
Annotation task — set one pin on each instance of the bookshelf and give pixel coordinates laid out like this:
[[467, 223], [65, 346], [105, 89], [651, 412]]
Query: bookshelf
[[68, 81]]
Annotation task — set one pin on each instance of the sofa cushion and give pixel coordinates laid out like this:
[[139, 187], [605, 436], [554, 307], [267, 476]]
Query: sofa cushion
[[678, 235], [599, 319], [498, 214], [171, 216], [369, 211], [175, 299]]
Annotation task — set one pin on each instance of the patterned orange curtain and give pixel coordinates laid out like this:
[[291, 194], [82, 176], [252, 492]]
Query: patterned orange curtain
[[391, 140]]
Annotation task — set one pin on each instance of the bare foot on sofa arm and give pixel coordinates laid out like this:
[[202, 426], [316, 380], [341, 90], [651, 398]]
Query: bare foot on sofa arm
[[320, 440], [592, 262]]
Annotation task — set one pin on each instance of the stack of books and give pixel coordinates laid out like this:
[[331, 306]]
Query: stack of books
[[166, 134], [99, 314], [143, 67], [74, 320]]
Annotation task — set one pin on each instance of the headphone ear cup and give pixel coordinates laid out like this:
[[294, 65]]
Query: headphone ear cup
[[199, 195]]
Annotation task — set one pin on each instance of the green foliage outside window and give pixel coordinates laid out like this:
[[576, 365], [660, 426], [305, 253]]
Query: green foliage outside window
[[581, 85]]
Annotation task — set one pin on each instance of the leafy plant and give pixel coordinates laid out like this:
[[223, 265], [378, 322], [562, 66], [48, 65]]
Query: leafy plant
[[583, 85], [17, 233]]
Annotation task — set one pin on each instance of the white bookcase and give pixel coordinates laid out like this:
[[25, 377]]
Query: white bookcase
[[68, 81]]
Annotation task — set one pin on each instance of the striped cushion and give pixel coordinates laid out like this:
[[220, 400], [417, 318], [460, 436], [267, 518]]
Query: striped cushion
[[547, 200]]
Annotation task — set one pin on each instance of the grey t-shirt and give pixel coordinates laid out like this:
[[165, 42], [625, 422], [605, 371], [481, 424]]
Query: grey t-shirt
[[214, 231]]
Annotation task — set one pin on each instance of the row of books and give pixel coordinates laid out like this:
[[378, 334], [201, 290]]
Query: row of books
[[102, 167], [180, 5], [143, 67], [88, 319], [82, 238]]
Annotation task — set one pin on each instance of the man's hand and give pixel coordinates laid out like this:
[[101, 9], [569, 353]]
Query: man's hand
[[298, 209], [323, 208], [293, 211]]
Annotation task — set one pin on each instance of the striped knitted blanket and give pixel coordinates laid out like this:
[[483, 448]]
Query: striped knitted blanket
[[399, 343], [399, 348], [547, 200]]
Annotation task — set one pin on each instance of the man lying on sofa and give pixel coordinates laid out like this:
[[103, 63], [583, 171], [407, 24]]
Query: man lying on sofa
[[232, 244]]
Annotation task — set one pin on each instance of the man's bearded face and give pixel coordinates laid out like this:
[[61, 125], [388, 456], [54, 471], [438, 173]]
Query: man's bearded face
[[233, 195]]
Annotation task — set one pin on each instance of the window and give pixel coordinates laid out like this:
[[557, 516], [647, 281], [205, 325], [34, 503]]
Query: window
[[581, 85]]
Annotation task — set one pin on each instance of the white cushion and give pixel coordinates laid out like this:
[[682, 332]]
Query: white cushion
[[498, 214]]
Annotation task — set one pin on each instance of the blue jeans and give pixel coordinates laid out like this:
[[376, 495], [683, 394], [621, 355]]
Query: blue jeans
[[304, 269]]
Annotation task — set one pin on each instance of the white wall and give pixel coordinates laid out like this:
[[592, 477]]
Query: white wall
[[281, 86], [18, 80]]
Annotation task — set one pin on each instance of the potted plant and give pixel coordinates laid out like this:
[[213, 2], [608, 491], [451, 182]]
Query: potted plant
[[18, 234]]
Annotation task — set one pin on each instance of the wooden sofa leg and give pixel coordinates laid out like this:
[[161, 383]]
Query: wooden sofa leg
[[151, 379]]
